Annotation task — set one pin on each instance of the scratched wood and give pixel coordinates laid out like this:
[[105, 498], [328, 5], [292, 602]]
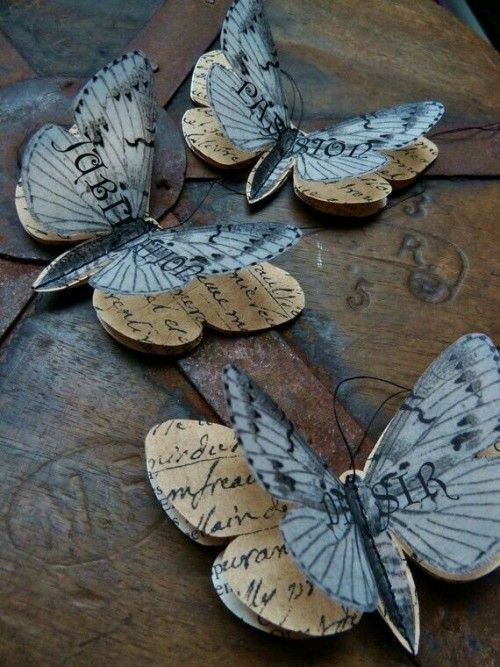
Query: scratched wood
[[83, 535]]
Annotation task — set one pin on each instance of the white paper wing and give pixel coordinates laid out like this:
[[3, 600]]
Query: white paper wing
[[248, 44], [332, 556], [164, 260], [278, 454], [247, 124], [56, 189], [391, 128], [329, 160], [432, 488], [116, 110]]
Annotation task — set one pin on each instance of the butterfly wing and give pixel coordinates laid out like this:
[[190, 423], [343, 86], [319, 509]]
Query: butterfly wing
[[248, 45], [390, 128], [320, 534], [248, 125], [321, 157], [433, 486], [353, 148], [57, 193], [116, 110], [164, 260], [83, 183]]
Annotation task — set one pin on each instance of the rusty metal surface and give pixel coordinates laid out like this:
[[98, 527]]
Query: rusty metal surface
[[13, 67], [15, 290], [272, 363], [28, 105], [176, 36]]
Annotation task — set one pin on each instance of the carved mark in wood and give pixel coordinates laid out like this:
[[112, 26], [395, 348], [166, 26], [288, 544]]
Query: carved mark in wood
[[83, 506]]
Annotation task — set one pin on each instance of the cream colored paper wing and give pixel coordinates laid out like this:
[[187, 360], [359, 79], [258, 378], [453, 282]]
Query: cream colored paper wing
[[161, 260], [248, 45], [116, 110], [433, 488]]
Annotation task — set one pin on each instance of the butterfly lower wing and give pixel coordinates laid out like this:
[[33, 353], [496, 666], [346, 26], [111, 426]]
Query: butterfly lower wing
[[250, 128], [331, 555], [391, 128], [266, 176], [398, 601], [456, 534], [164, 260], [247, 43], [57, 191], [335, 160], [278, 454], [116, 109]]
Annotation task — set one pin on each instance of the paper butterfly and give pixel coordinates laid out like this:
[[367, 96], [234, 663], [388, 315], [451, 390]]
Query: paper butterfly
[[430, 488], [98, 181], [250, 106]]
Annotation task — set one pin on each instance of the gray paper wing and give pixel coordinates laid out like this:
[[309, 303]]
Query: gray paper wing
[[331, 555], [56, 171], [432, 486], [164, 260], [391, 128], [320, 534], [248, 44], [278, 454], [116, 110], [330, 160], [78, 264], [248, 125]]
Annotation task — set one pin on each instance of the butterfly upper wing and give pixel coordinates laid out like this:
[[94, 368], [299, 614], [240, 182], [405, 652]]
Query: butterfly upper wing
[[447, 510], [163, 260], [86, 182], [248, 44], [57, 194], [354, 147], [326, 545], [116, 109], [390, 128], [232, 100]]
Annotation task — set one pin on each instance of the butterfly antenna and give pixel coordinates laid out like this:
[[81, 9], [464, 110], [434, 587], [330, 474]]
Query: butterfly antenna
[[296, 90], [289, 78], [341, 430], [374, 417], [353, 452], [488, 127]]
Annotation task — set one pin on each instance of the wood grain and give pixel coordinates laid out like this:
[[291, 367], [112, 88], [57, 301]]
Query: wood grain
[[90, 572]]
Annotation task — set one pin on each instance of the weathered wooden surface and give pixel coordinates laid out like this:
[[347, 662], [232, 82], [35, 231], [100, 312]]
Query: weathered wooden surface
[[83, 535]]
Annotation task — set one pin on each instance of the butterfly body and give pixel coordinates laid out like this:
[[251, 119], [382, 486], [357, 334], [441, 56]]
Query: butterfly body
[[430, 489]]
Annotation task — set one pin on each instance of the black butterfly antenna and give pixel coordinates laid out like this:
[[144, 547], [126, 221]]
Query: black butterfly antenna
[[487, 127], [295, 91], [353, 451]]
